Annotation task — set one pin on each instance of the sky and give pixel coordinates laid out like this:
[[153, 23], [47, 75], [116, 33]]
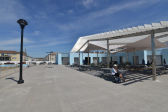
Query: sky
[[55, 25]]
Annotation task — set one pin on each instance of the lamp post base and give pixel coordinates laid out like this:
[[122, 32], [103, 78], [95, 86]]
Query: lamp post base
[[20, 81]]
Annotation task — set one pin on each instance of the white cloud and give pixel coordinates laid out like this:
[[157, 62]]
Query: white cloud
[[88, 3], [70, 11], [48, 43], [36, 33], [92, 16], [9, 48], [15, 41]]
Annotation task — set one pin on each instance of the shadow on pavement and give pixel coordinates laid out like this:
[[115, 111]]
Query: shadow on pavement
[[131, 76], [11, 78]]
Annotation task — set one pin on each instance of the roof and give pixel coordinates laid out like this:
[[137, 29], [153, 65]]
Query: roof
[[9, 52], [144, 44], [53, 53], [119, 38]]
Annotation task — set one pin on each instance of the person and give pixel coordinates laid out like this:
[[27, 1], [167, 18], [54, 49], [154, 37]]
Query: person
[[148, 63], [143, 62], [117, 73], [164, 61]]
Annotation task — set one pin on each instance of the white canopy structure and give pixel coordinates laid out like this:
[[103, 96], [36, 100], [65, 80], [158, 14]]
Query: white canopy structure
[[144, 44], [120, 38], [124, 36]]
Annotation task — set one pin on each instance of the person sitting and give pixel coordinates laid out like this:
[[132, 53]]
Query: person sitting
[[117, 74]]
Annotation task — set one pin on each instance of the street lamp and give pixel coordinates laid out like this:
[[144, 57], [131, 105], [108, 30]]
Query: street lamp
[[22, 24]]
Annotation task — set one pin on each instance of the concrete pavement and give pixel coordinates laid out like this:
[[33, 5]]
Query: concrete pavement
[[56, 88]]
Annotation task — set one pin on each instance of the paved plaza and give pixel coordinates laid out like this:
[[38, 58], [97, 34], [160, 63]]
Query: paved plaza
[[54, 88]]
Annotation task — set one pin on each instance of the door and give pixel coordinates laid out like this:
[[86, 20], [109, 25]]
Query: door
[[135, 60], [76, 60], [65, 60], [121, 60], [95, 60], [86, 60]]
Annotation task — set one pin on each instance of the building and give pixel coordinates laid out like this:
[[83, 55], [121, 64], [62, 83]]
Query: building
[[51, 57], [134, 58], [38, 59], [144, 44], [11, 55], [29, 58]]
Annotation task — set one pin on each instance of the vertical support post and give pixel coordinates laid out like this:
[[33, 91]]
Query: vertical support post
[[127, 57], [88, 54], [153, 55], [88, 58], [134, 60], [97, 58], [82, 58], [108, 54], [79, 57]]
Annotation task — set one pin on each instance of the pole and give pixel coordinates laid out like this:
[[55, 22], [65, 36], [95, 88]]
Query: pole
[[153, 55], [79, 57], [127, 56], [97, 58], [22, 24], [134, 57], [88, 58], [88, 54], [82, 58], [108, 54], [21, 58]]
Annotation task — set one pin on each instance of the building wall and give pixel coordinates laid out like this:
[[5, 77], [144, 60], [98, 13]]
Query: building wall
[[14, 57], [85, 55], [59, 59], [115, 57], [164, 53], [140, 55], [51, 57]]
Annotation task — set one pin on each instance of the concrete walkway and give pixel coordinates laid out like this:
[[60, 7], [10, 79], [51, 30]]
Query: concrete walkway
[[60, 89]]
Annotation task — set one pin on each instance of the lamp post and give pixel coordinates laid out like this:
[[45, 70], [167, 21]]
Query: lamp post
[[22, 24]]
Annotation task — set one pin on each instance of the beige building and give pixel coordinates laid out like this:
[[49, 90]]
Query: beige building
[[51, 57], [11, 56]]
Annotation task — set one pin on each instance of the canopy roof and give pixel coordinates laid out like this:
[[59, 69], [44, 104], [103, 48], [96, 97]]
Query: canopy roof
[[120, 38], [90, 47], [144, 44]]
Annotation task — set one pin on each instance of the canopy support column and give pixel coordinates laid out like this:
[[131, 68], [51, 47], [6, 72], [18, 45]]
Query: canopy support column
[[97, 58], [88, 58], [79, 57], [108, 54], [82, 58], [134, 57], [153, 55], [127, 57]]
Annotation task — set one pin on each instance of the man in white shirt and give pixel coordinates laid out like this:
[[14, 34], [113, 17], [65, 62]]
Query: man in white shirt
[[117, 73]]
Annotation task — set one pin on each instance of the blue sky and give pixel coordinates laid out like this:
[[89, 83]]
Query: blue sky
[[55, 25]]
